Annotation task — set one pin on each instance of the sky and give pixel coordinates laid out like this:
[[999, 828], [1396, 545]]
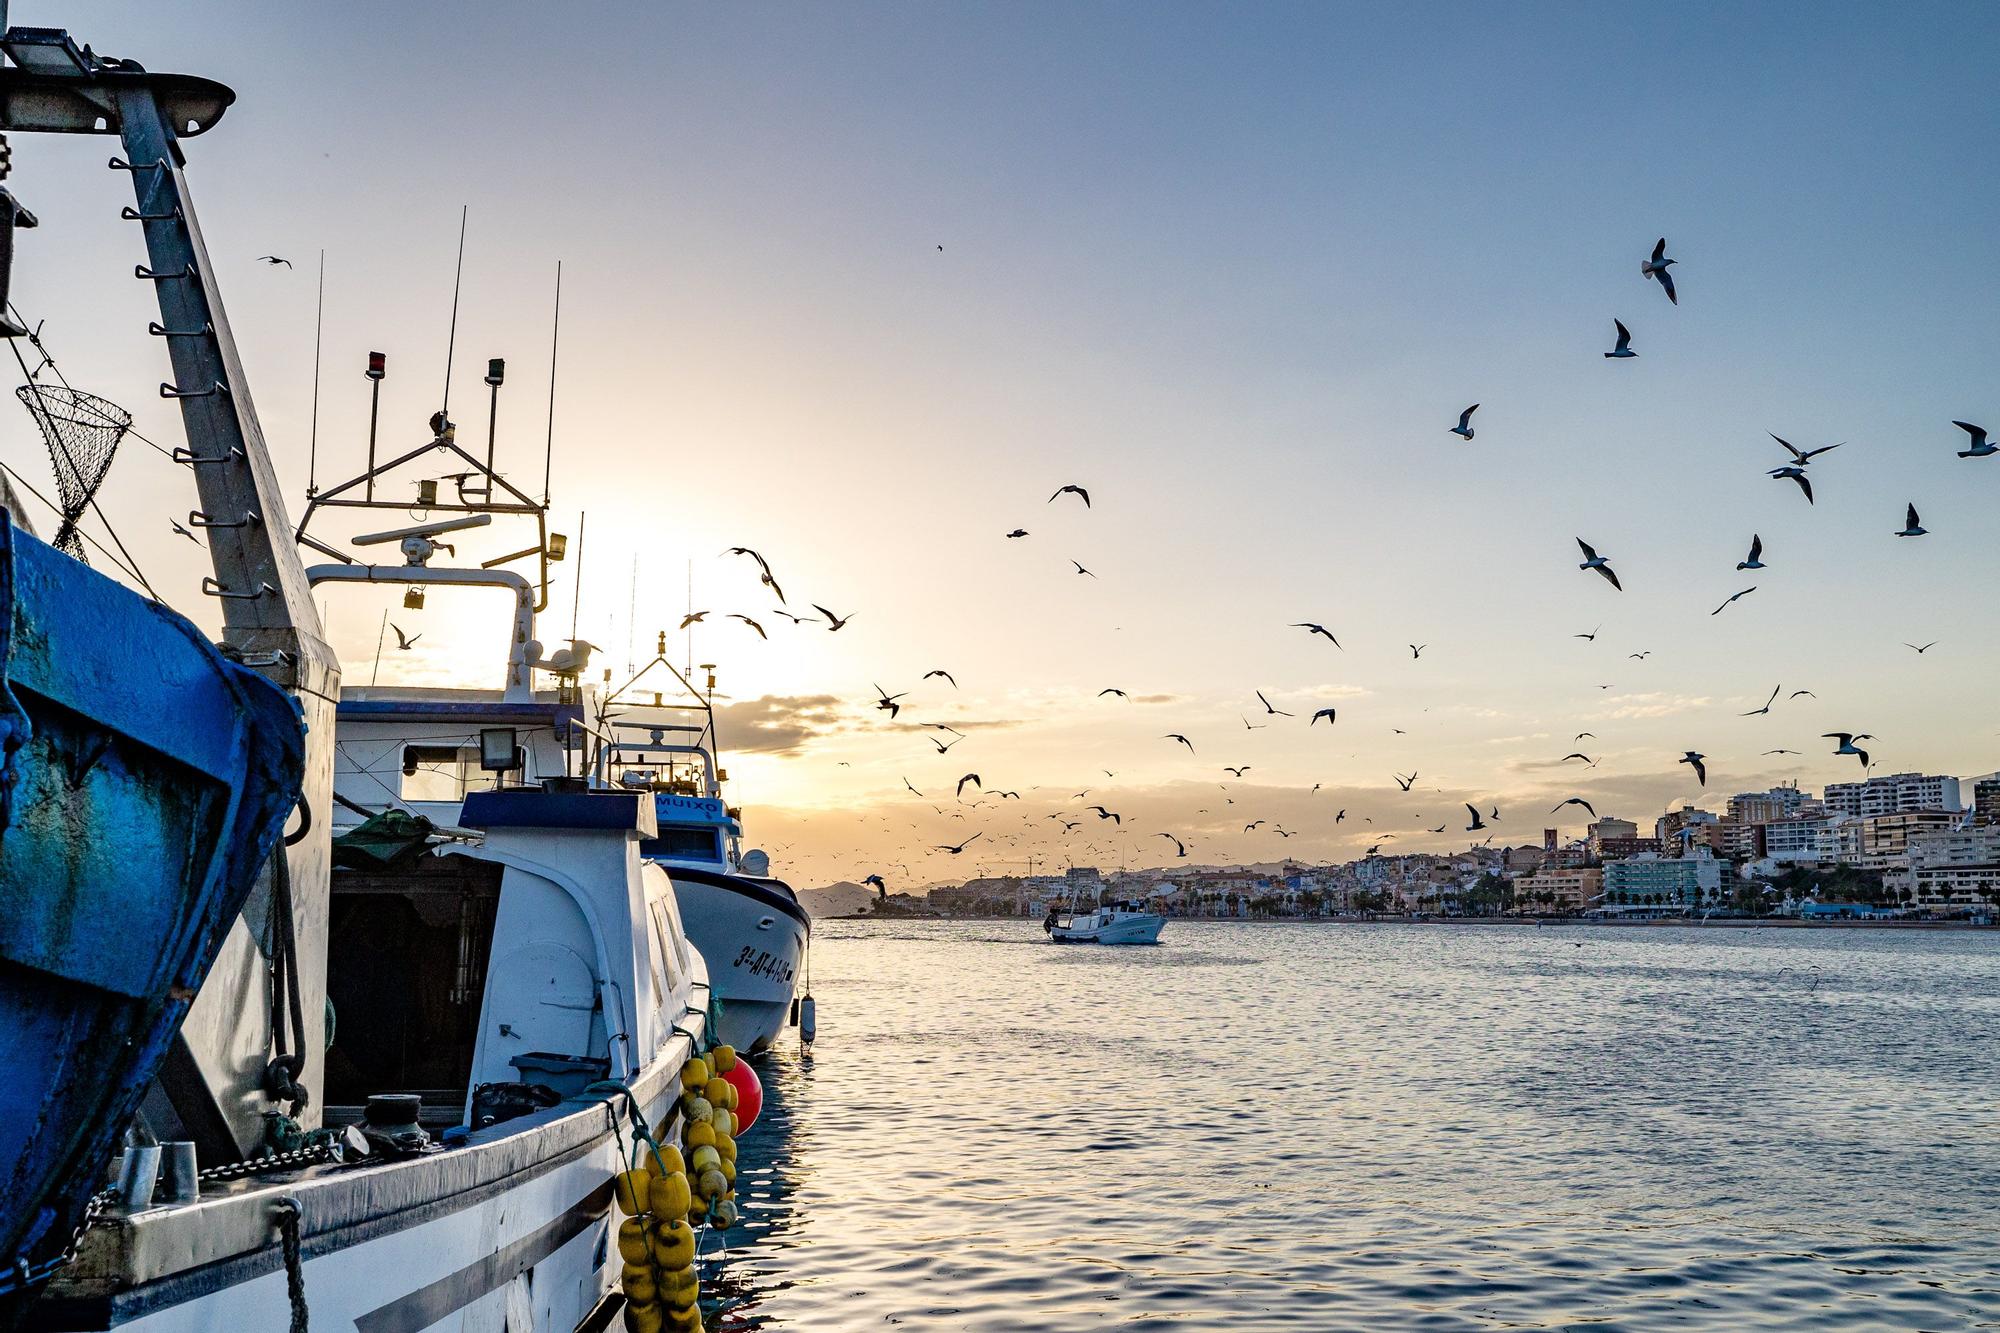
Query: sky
[[860, 286]]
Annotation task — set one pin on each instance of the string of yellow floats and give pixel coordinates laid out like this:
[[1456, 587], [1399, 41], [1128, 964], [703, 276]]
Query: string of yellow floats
[[670, 1193]]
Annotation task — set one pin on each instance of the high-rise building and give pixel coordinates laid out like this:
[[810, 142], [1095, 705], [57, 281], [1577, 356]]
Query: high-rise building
[[1986, 799], [1761, 807], [1669, 830], [1606, 830], [1664, 885], [1885, 839], [1893, 794]]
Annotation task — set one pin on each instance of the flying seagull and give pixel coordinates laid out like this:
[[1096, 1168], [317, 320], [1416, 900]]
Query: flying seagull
[[1980, 447], [833, 622], [1112, 689], [796, 620], [1326, 713], [273, 261], [737, 615], [1176, 736], [1781, 752], [1807, 693], [1311, 628], [1018, 532], [1921, 651], [1270, 711], [881, 889], [1077, 491], [1237, 772], [1102, 813], [1404, 782], [1592, 636], [1911, 528], [941, 672], [1464, 427], [693, 618], [403, 641], [1578, 754], [1755, 560], [1624, 348], [184, 532], [914, 791], [1477, 823], [1592, 560], [1179, 848], [886, 701], [1080, 569], [973, 778], [1767, 703], [943, 847], [1656, 268], [1578, 800], [1417, 650], [1694, 759], [1732, 597], [1797, 474], [1847, 745], [1802, 456]]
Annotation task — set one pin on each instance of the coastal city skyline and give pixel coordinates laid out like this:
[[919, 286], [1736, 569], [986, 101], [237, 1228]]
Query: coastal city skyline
[[1061, 254]]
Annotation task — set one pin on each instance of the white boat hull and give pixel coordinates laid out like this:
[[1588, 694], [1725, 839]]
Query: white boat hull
[[1140, 929], [754, 935]]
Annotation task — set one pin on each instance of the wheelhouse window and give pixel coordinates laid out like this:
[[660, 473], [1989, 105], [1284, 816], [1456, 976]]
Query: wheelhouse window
[[685, 844], [441, 772]]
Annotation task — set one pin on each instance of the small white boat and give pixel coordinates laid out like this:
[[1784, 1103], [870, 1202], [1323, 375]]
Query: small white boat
[[1107, 923]]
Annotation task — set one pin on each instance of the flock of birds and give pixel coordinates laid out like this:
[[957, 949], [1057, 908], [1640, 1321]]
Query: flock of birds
[[980, 811]]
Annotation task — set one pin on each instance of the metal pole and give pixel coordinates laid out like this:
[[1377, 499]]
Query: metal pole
[[374, 416]]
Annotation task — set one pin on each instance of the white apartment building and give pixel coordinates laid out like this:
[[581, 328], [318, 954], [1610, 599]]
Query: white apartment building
[[1893, 794], [1952, 869], [1821, 840], [1649, 885]]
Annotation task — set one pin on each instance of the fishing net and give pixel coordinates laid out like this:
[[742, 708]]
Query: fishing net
[[82, 432]]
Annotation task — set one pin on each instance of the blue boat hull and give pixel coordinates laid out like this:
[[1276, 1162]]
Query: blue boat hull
[[148, 782]]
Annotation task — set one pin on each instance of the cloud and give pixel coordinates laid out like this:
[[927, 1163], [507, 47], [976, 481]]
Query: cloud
[[1653, 704], [777, 723]]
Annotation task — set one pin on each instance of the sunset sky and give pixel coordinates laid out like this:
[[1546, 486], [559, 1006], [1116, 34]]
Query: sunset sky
[[1233, 269]]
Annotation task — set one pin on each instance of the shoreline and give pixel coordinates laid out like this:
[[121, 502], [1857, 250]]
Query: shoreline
[[1736, 923]]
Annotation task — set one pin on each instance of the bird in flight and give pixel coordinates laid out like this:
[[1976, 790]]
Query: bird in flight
[[1464, 427], [1980, 446], [1592, 560], [880, 888], [1404, 782], [1640, 657], [1326, 713], [1803, 456], [1080, 569], [945, 847], [1578, 754], [1781, 752], [273, 261], [403, 641], [941, 672], [886, 702], [1342, 815], [1102, 813], [1077, 491], [1417, 650], [1236, 772], [833, 622], [1477, 823], [1656, 268], [1807, 693], [1592, 636], [1112, 689], [1311, 628], [1581, 734], [763, 569], [1176, 736], [1921, 651], [942, 746], [1693, 759], [1018, 532], [973, 778], [1847, 745], [693, 618], [1249, 828], [1577, 800], [1179, 848], [737, 615], [1268, 710], [1624, 348], [1797, 474], [1755, 560], [1732, 597], [913, 790], [1248, 725], [1911, 528], [1767, 703], [796, 620], [184, 532]]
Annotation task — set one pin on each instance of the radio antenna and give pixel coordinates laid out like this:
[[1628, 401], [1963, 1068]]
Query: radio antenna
[[451, 341], [555, 341], [576, 601], [319, 326]]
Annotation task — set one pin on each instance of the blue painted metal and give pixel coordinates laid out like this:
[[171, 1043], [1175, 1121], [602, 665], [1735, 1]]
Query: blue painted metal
[[149, 780]]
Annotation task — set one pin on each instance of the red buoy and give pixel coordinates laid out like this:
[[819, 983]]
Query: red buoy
[[749, 1093]]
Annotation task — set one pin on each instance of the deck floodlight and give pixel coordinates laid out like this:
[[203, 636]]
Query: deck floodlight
[[45, 51], [378, 365], [496, 371], [498, 751], [558, 546], [427, 492], [413, 599]]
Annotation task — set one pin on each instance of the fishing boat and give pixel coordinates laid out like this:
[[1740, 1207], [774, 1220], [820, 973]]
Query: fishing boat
[[748, 924], [1106, 923], [424, 1047]]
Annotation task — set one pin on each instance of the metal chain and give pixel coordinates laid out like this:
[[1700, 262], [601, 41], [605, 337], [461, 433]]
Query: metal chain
[[25, 1274], [275, 1162]]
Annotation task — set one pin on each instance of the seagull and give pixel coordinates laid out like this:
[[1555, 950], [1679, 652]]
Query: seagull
[[1797, 474], [1247, 828], [1640, 657], [273, 261], [1268, 710], [887, 701], [1439, 829], [1578, 754], [1477, 823], [796, 620], [1342, 815], [1926, 648], [973, 778], [1176, 736], [1847, 745], [1017, 532], [184, 532], [1080, 569], [1581, 734], [763, 569], [1248, 725], [941, 672], [1578, 800], [735, 615], [1807, 693], [1077, 491], [1981, 447], [1803, 456], [1404, 782], [1464, 426], [693, 618], [1767, 703], [1781, 752], [833, 622], [403, 641], [1326, 713], [1592, 636], [942, 847], [880, 887], [1755, 560], [1624, 348], [1592, 560], [942, 746], [1694, 759], [1238, 772], [1656, 268], [1179, 848], [1102, 813], [1732, 597], [1112, 689], [1311, 628], [1911, 528], [914, 791]]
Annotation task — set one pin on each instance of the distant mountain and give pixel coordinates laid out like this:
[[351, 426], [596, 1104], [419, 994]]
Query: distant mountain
[[843, 899]]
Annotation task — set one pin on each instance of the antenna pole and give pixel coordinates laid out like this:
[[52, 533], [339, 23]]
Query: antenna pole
[[319, 326], [576, 603], [381, 632], [555, 341], [451, 341]]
